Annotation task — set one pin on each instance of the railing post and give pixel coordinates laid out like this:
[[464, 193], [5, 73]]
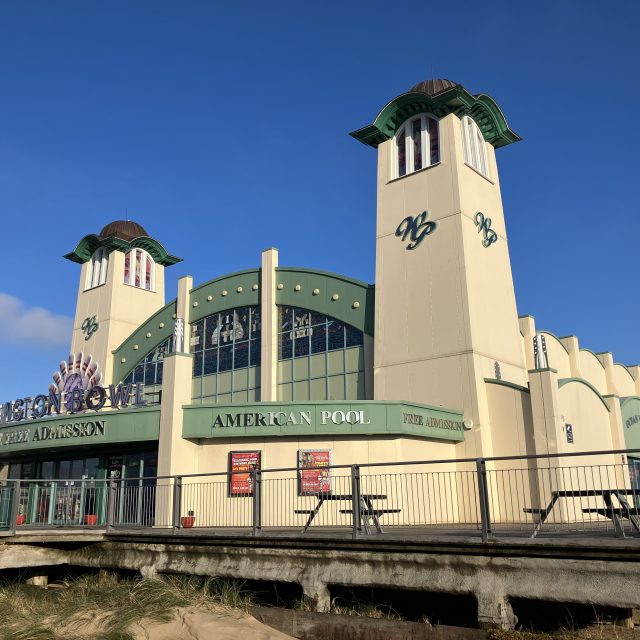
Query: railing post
[[485, 514], [356, 501], [177, 502], [111, 504], [257, 501], [15, 507]]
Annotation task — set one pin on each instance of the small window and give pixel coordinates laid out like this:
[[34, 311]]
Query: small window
[[416, 145], [139, 269], [475, 150], [97, 269]]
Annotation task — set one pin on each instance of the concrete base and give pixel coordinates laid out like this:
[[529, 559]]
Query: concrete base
[[494, 573]]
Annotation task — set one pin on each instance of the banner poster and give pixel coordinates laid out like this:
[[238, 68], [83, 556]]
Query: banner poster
[[314, 471], [241, 464]]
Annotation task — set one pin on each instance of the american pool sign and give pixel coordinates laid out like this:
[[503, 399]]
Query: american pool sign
[[75, 388]]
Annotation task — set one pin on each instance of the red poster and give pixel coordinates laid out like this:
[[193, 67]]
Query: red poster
[[241, 464], [314, 471]]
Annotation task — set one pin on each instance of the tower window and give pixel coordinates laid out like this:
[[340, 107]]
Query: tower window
[[97, 269], [417, 145], [475, 150], [139, 269]]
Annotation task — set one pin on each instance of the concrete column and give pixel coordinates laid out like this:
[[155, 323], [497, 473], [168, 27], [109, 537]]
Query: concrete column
[[543, 384], [317, 594], [495, 612], [176, 456], [635, 373], [528, 331], [606, 359], [571, 344], [269, 321]]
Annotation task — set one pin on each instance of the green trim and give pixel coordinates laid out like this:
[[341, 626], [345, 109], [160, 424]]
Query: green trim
[[553, 335], [245, 280], [89, 244], [504, 383], [593, 354], [378, 419], [457, 100], [542, 370], [159, 334], [348, 290], [623, 400], [563, 381]]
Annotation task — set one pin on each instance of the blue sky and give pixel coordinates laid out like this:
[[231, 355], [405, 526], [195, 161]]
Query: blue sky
[[223, 129]]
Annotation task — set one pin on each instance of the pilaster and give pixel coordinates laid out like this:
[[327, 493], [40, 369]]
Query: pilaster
[[635, 374], [572, 346], [269, 324], [528, 331], [543, 385], [606, 359]]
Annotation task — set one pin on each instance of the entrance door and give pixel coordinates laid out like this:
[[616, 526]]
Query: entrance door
[[136, 495]]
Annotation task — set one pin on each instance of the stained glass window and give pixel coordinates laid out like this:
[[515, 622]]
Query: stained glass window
[[417, 145], [149, 371], [139, 269]]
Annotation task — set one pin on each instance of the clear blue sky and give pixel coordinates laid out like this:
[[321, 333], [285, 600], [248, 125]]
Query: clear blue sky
[[223, 129]]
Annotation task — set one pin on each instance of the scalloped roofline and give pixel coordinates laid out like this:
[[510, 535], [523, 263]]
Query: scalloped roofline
[[92, 242], [457, 100]]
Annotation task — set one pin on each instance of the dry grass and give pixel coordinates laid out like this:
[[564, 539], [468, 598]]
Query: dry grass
[[108, 606]]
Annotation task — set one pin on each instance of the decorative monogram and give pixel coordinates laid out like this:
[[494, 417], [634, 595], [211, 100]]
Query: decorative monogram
[[484, 225], [89, 327], [417, 228]]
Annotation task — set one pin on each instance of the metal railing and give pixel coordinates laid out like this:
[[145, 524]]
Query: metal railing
[[596, 493]]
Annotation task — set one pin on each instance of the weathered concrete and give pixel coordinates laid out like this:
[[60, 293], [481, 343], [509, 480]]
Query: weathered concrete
[[492, 573]]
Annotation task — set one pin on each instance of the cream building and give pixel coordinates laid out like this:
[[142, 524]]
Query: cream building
[[273, 365]]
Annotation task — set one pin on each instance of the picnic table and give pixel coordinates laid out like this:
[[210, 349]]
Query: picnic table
[[624, 510], [368, 511]]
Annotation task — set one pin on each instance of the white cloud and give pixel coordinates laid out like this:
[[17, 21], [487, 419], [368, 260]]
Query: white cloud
[[24, 326]]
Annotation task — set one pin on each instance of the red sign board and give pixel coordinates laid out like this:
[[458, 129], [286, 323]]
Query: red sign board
[[314, 471], [241, 464]]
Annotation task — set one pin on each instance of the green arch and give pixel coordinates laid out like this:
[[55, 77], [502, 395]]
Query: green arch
[[354, 305], [564, 381], [482, 108]]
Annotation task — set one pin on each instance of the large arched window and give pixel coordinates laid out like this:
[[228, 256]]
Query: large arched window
[[475, 151], [148, 371], [139, 269], [416, 145], [319, 357], [97, 268], [226, 356]]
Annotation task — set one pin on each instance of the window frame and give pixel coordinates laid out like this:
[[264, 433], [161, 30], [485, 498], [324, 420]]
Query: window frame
[[406, 128], [145, 258], [474, 147], [97, 268]]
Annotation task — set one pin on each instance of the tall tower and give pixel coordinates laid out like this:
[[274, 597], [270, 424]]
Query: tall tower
[[121, 285], [445, 314]]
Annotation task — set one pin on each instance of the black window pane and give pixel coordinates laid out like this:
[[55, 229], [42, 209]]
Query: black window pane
[[284, 318], [241, 355], [301, 345], [318, 318], [211, 332], [255, 322], [285, 346], [150, 373], [336, 335], [355, 337], [226, 358], [197, 332], [159, 372], [197, 364], [138, 373], [241, 323], [129, 378], [254, 350], [402, 154], [319, 339], [225, 336], [210, 361]]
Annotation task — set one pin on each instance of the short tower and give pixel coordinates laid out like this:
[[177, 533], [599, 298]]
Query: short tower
[[121, 285]]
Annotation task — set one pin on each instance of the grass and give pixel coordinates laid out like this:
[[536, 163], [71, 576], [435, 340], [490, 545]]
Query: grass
[[109, 605]]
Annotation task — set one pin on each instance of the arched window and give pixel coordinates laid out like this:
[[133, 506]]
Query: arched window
[[417, 145], [97, 269], [148, 371], [139, 269], [475, 151], [319, 357]]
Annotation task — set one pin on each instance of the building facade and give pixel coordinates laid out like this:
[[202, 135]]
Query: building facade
[[282, 367]]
